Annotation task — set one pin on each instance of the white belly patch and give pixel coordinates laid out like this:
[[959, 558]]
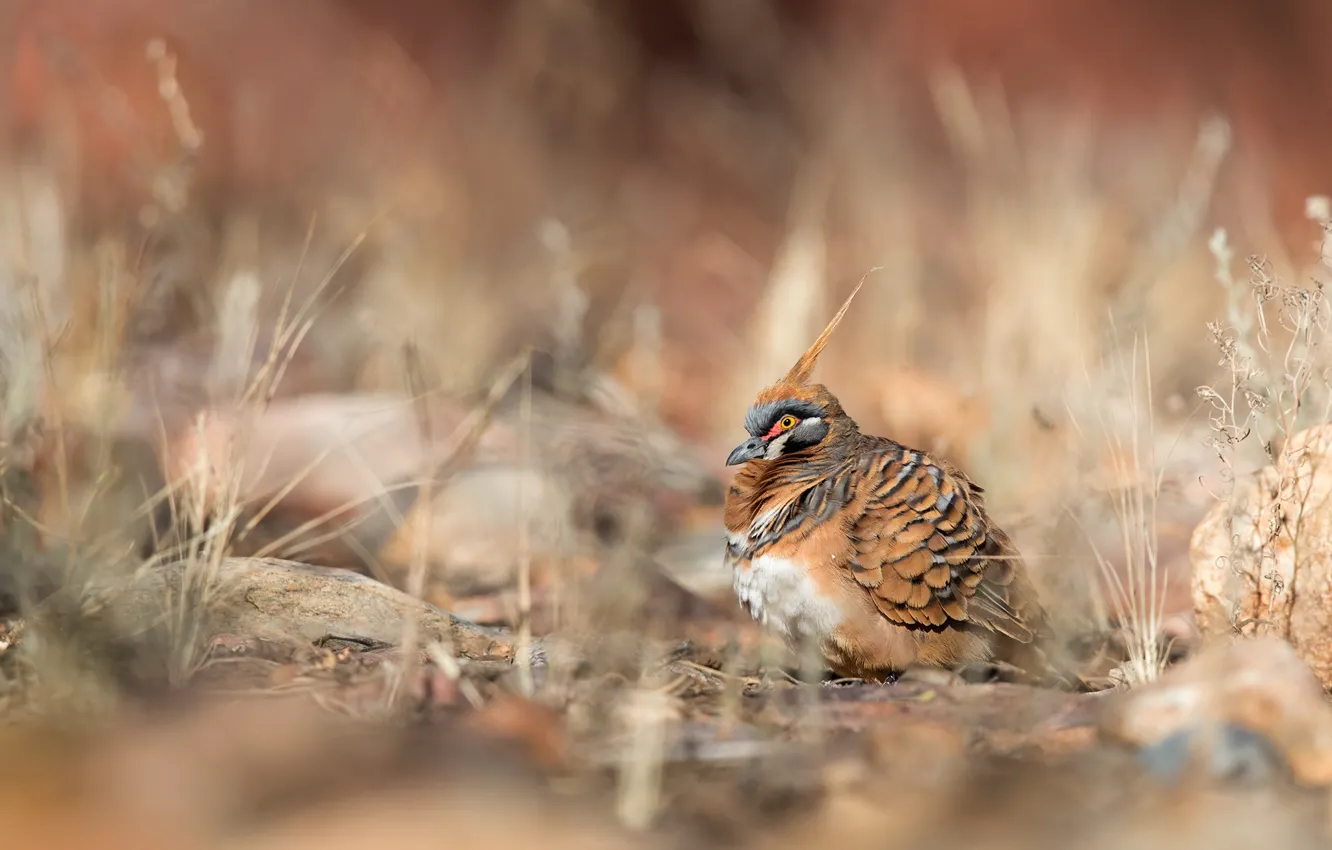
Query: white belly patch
[[780, 595]]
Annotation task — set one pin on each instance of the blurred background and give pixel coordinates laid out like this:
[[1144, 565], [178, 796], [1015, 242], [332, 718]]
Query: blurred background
[[308, 216], [680, 191]]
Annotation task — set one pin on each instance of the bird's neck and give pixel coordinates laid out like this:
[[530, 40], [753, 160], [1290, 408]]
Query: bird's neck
[[761, 486]]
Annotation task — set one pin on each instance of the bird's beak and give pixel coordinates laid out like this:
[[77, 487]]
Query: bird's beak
[[748, 450]]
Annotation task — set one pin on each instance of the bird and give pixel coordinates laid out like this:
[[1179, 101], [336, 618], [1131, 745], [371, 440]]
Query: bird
[[881, 556]]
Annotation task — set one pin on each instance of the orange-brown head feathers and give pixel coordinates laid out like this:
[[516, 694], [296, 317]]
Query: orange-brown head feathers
[[804, 367], [793, 414]]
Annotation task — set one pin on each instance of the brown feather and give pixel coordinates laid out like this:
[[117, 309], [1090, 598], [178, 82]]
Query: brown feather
[[894, 613], [913, 565], [920, 595], [937, 577], [955, 607], [867, 576], [894, 588], [909, 537], [934, 613], [804, 367]]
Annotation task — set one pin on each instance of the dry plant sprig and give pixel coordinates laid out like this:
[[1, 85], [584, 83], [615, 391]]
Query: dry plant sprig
[[459, 445], [208, 506], [1139, 593], [1278, 382]]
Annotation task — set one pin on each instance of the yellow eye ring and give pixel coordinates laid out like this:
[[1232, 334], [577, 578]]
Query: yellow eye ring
[[788, 422]]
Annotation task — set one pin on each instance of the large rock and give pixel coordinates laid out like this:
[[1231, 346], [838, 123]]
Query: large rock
[[1262, 561], [1231, 700], [293, 603]]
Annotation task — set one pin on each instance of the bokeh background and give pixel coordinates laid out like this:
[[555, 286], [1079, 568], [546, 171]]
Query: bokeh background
[[685, 190]]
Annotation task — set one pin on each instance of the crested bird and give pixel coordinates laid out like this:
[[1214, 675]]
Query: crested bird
[[880, 556]]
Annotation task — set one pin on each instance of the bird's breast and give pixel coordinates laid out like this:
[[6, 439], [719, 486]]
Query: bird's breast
[[782, 595]]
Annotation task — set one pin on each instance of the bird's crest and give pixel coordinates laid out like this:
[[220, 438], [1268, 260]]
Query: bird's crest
[[804, 367]]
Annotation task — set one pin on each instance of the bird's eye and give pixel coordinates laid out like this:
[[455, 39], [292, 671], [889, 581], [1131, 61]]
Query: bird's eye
[[788, 422]]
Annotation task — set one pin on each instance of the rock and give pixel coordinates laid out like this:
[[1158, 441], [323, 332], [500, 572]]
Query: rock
[[1235, 753], [1226, 549], [1212, 705], [1262, 562], [287, 602]]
